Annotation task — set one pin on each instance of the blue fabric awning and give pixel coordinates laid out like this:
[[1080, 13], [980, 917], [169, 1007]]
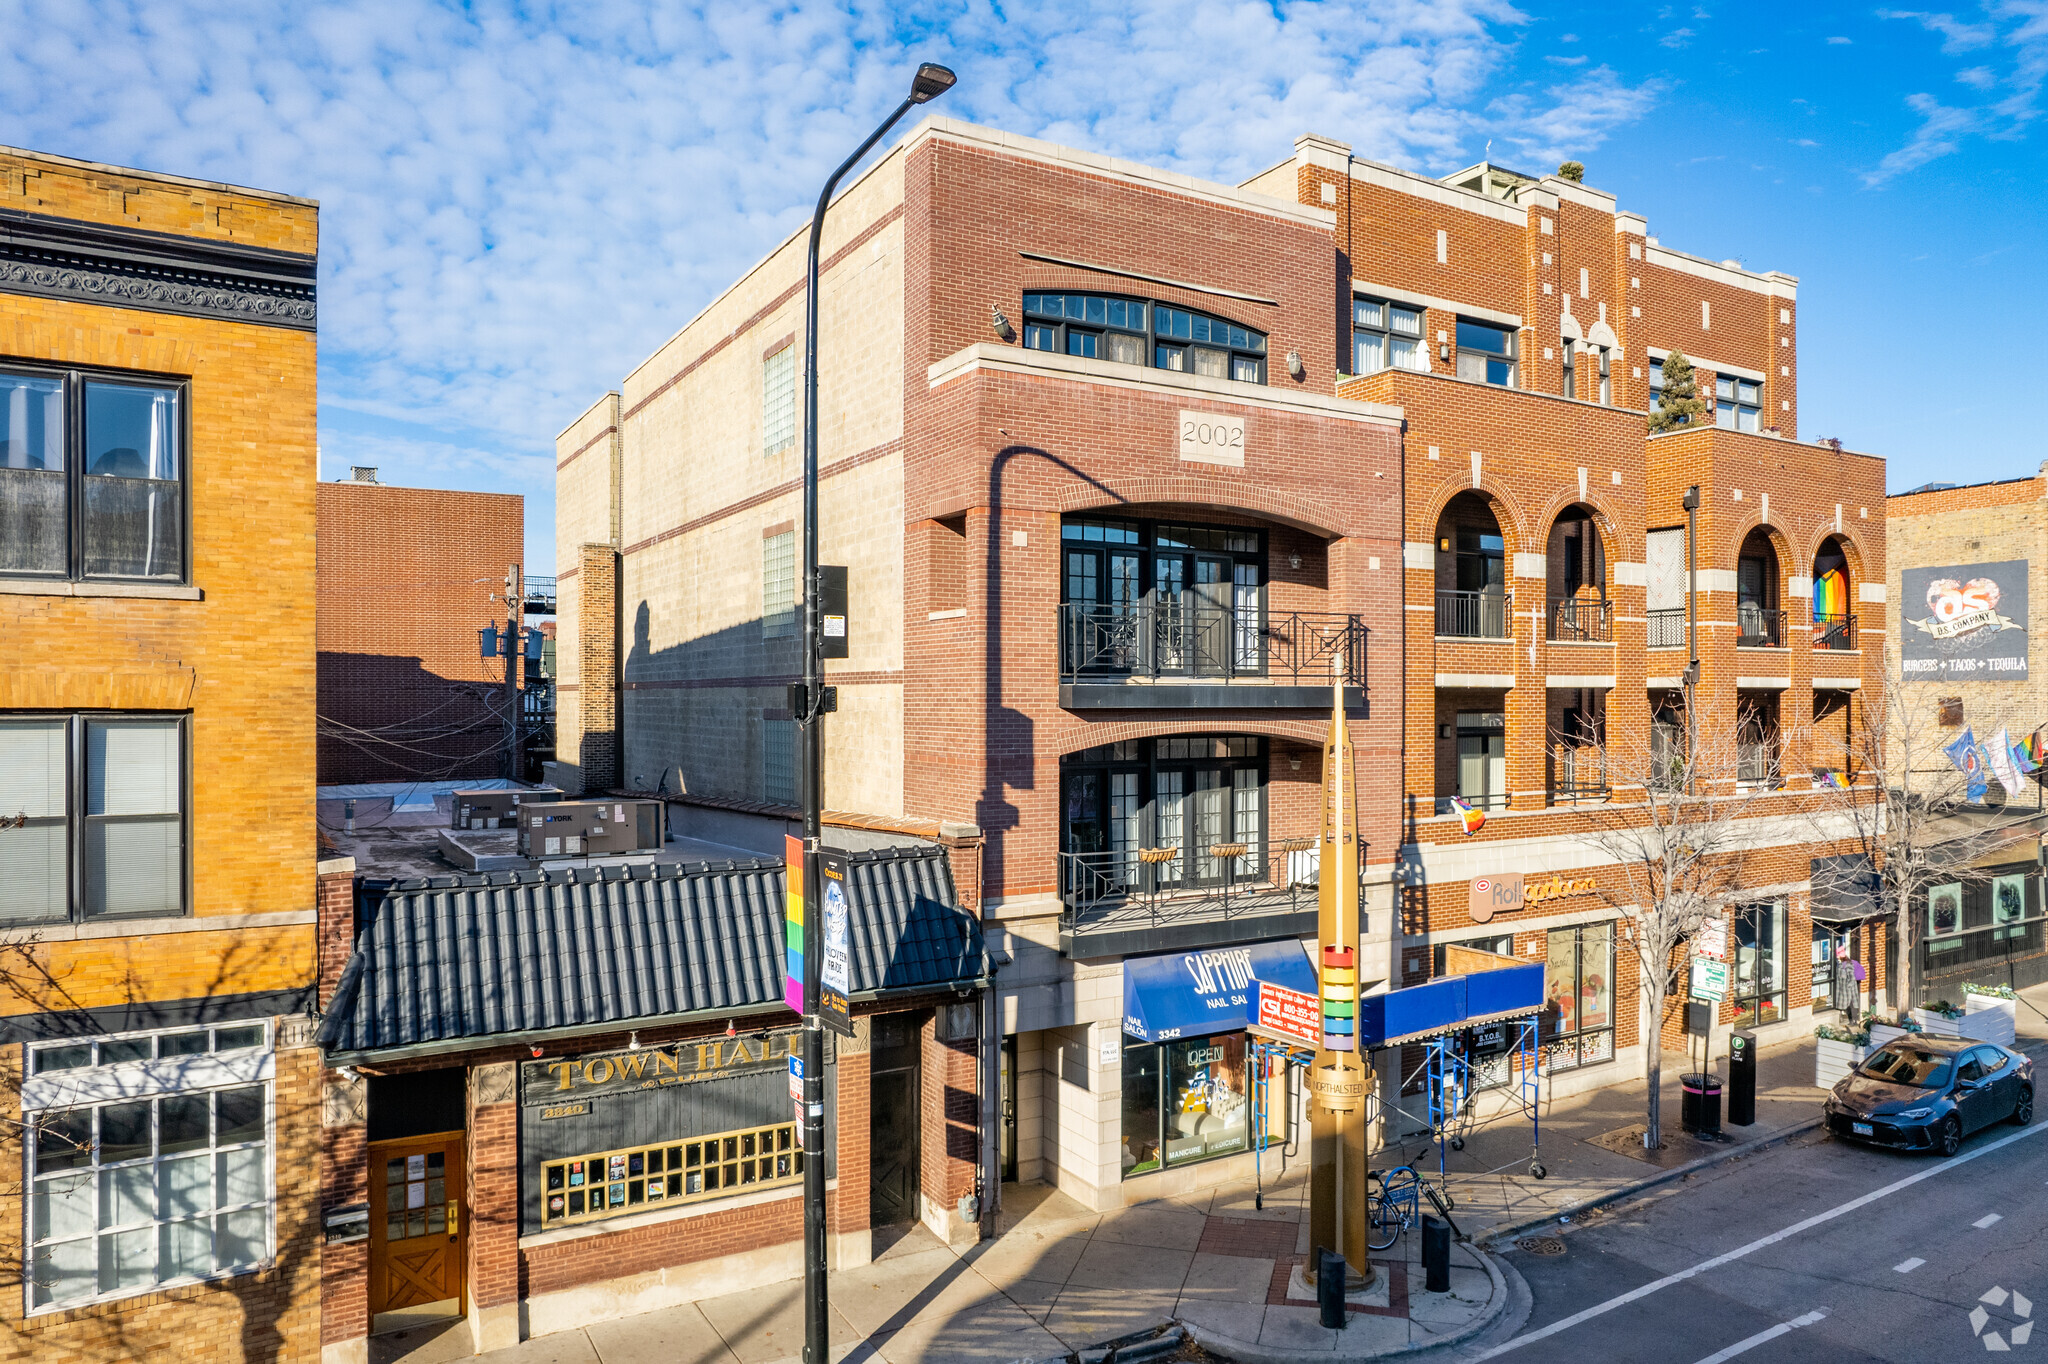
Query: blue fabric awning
[[1196, 994]]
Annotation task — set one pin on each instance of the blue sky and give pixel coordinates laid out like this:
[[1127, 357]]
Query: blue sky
[[521, 201]]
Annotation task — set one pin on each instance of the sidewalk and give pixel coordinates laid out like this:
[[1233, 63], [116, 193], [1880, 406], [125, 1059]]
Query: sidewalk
[[1058, 1278]]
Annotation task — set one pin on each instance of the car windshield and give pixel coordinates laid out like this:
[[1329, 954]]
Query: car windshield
[[1908, 1066]]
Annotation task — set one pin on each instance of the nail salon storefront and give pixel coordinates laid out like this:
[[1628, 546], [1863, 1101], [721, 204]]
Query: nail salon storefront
[[564, 1098]]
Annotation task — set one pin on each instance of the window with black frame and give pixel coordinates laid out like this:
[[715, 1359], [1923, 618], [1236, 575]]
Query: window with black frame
[[1576, 1027], [1147, 814], [1137, 331], [1160, 598], [99, 804], [1386, 335], [92, 476], [1738, 403], [1759, 981], [1486, 353], [1586, 368]]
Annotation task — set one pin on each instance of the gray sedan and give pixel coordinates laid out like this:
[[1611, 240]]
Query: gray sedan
[[1928, 1093]]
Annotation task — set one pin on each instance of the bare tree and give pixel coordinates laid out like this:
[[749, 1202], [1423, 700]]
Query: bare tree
[[1904, 808], [1679, 852]]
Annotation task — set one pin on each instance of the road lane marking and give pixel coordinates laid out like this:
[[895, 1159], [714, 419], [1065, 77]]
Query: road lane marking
[[1986, 1220], [1908, 1266], [1760, 1337], [1818, 1219]]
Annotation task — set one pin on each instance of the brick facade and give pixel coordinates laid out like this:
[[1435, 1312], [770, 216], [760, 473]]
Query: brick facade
[[407, 576], [232, 648]]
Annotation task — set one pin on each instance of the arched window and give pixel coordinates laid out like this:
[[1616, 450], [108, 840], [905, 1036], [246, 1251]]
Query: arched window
[[1137, 331]]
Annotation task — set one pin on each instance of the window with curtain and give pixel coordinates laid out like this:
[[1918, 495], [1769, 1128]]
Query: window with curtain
[[1385, 335], [1136, 331], [101, 804], [92, 477], [778, 401]]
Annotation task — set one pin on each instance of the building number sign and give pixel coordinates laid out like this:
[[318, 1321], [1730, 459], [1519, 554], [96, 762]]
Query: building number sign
[[1207, 438]]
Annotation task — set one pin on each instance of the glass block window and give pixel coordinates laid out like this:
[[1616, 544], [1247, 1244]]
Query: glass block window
[[778, 585], [126, 1197], [612, 1183], [778, 761], [778, 401]]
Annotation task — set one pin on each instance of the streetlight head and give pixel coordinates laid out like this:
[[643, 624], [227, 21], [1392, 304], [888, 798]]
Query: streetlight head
[[931, 81]]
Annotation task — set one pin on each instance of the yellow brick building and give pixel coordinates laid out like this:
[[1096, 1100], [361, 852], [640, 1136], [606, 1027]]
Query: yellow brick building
[[157, 840]]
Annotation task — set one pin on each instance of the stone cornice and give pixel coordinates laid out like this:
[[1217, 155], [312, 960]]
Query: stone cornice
[[155, 272]]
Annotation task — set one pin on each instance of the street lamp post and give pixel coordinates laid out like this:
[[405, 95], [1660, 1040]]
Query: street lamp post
[[808, 706]]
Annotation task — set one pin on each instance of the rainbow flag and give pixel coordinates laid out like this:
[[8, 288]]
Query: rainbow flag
[[2026, 753], [793, 922], [1831, 595], [1831, 780], [1475, 819]]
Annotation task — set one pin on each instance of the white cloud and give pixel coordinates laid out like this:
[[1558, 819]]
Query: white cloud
[[2018, 33], [518, 203], [1956, 35], [1579, 60], [1840, 42], [1981, 77], [1677, 37]]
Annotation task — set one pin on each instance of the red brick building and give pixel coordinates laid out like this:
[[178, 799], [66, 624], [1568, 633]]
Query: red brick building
[[407, 576]]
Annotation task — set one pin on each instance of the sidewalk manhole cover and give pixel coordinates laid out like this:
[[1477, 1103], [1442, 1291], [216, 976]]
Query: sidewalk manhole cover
[[1541, 1245]]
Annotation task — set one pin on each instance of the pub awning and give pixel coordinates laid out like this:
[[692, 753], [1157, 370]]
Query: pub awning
[[1196, 994]]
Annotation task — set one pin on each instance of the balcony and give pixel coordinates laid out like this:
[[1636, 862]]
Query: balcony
[[1137, 900], [1756, 764], [1582, 621], [1834, 632], [1758, 627], [1666, 629], [1578, 774], [1473, 615], [1155, 656]]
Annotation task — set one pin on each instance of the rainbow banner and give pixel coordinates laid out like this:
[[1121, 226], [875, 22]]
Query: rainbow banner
[[1831, 595], [793, 922]]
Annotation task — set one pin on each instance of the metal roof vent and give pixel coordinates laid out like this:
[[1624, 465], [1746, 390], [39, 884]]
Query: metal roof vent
[[362, 473]]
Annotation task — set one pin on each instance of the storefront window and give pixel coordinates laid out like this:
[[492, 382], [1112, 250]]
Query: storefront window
[[612, 1182], [1760, 964], [1983, 921], [1185, 1101], [2008, 907], [1578, 983]]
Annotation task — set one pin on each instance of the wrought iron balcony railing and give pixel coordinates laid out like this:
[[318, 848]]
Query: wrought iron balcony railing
[[1578, 773], [1758, 627], [1582, 621], [1757, 764], [1107, 641], [1473, 615], [1667, 628], [1151, 887], [1834, 631]]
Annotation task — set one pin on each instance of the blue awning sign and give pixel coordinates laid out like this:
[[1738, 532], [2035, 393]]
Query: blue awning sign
[[1198, 994]]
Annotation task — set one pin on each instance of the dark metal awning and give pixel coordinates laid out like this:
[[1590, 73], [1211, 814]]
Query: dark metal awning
[[1846, 890]]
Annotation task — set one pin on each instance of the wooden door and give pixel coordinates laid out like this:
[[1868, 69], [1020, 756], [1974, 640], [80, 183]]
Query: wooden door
[[417, 1221]]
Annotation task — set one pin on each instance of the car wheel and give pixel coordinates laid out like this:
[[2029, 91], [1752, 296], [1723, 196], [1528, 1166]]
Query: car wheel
[[1949, 1138], [2023, 1111]]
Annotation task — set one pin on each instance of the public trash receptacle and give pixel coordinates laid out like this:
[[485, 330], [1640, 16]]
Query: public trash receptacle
[[1699, 1103], [1331, 1276], [1742, 1078], [1436, 1255]]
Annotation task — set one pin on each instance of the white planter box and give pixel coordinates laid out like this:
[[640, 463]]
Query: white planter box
[[1832, 1060], [1934, 1025], [1881, 1033], [1990, 1019]]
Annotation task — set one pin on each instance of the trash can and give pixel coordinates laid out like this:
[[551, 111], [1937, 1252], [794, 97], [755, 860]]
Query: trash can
[[1699, 1103], [1332, 1276], [1436, 1255], [1741, 1078]]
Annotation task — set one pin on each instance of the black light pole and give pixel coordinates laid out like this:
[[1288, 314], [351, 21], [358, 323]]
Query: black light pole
[[809, 708]]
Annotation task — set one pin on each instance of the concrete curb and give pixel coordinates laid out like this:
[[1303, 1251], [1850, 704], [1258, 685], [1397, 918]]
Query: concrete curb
[[1243, 1352], [1496, 1235]]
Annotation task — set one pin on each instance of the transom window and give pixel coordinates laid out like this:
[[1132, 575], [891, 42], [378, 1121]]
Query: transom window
[[1486, 353], [127, 1196], [611, 1183], [1135, 331], [1738, 403], [92, 476], [1386, 335], [98, 802]]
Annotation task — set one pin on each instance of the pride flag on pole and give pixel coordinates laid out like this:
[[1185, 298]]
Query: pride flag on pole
[[793, 922]]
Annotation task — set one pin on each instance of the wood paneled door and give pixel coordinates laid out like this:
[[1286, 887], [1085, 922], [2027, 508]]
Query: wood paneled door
[[416, 1223]]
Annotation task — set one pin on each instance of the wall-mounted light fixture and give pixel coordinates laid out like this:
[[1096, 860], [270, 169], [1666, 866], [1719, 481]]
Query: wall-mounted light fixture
[[1294, 561], [1444, 544], [1443, 351], [1001, 323], [1294, 365]]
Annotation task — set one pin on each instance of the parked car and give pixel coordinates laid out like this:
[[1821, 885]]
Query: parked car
[[1928, 1093]]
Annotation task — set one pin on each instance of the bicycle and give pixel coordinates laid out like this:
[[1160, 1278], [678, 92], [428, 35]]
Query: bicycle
[[1398, 1205]]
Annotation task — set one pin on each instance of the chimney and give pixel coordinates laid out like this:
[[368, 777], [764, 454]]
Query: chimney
[[362, 473]]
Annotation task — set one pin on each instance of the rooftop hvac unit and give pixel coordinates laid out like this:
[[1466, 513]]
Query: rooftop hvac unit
[[592, 828], [493, 809]]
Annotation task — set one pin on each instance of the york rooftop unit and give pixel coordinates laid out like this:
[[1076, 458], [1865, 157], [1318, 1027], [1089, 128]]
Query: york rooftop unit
[[591, 828]]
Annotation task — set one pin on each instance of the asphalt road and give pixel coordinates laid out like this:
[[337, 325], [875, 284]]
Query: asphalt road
[[1812, 1252]]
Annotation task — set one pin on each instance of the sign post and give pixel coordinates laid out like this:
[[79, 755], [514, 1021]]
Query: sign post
[[1339, 1079]]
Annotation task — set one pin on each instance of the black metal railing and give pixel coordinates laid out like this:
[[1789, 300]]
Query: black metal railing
[[1834, 631], [1472, 615], [1208, 643], [1757, 764], [1156, 885], [1667, 628], [1585, 620], [1758, 627], [540, 596], [1578, 773]]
